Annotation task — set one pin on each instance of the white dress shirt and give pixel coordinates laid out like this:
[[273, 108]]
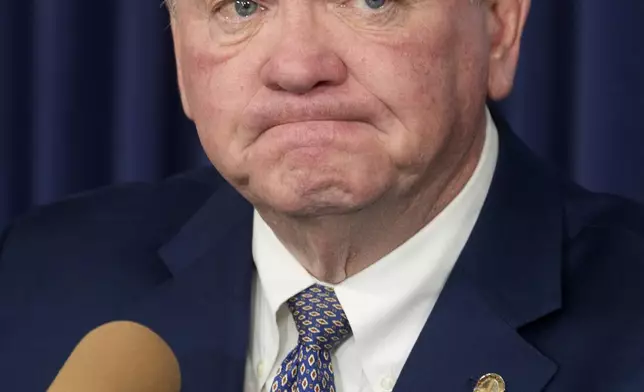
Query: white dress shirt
[[387, 304]]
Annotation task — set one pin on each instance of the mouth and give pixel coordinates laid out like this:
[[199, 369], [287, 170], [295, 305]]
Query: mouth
[[313, 134], [272, 114], [311, 122]]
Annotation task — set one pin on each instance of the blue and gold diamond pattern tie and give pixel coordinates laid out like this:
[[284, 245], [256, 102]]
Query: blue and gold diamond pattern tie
[[322, 326]]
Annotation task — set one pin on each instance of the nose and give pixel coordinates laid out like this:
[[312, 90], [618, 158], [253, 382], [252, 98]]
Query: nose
[[301, 60]]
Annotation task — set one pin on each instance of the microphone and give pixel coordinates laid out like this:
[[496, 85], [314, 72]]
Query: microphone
[[120, 356]]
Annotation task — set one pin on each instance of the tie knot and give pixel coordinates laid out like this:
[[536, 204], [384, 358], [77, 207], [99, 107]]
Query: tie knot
[[320, 320]]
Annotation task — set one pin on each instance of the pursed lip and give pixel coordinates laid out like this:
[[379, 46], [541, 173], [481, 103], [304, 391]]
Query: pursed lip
[[311, 138], [260, 119]]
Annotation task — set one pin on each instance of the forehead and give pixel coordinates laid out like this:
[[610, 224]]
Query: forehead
[[173, 4]]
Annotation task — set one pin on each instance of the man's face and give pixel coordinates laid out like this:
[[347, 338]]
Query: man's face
[[318, 106]]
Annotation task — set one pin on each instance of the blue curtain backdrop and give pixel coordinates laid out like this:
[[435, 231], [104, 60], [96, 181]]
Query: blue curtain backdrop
[[88, 96]]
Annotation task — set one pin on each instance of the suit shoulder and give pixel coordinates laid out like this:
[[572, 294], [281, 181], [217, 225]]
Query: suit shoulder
[[588, 211], [127, 201], [605, 240], [107, 216]]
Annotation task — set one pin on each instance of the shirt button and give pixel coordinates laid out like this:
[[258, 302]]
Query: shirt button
[[260, 369], [387, 384]]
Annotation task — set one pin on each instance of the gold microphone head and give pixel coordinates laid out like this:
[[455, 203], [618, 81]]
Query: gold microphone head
[[120, 356]]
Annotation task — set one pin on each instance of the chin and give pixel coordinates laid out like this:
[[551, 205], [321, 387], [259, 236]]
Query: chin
[[329, 184], [324, 205], [298, 199]]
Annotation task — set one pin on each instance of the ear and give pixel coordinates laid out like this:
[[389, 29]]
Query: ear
[[177, 55], [505, 22]]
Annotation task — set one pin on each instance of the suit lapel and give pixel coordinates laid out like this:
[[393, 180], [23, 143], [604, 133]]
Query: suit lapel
[[203, 311], [507, 276], [463, 340]]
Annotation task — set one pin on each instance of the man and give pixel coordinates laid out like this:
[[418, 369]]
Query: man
[[377, 228]]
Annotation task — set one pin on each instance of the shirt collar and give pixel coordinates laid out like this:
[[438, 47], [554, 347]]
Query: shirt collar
[[280, 275]]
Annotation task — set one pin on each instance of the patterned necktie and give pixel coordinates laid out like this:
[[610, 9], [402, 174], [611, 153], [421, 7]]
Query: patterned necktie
[[322, 326]]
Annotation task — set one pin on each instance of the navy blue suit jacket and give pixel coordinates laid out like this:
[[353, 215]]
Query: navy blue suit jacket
[[548, 292]]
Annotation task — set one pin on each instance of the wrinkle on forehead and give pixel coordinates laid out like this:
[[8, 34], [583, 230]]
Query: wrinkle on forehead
[[172, 4]]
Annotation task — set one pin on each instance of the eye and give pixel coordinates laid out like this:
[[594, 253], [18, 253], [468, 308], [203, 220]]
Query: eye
[[245, 8], [375, 4], [372, 14]]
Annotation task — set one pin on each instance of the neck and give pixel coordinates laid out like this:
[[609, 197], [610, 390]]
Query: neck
[[332, 248]]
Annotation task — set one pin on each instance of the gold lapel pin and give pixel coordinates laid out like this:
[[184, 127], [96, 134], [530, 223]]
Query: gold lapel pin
[[490, 383]]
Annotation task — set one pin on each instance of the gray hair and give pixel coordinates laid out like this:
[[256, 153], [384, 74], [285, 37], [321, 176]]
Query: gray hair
[[170, 5]]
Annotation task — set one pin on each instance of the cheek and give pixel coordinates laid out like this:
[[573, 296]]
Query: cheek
[[217, 89], [426, 78], [414, 79], [212, 84]]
